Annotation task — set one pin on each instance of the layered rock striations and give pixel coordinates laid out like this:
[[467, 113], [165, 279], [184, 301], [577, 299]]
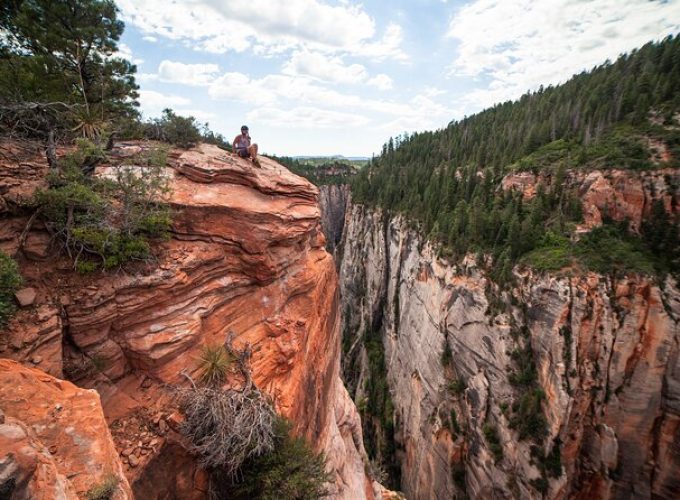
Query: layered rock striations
[[603, 350], [246, 255]]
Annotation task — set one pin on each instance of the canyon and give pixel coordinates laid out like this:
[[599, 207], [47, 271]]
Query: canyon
[[363, 326], [603, 350], [245, 255]]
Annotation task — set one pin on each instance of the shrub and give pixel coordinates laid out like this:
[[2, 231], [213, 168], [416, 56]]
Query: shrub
[[179, 130], [227, 427], [457, 386], [292, 471], [550, 464], [86, 155], [458, 474], [609, 248], [541, 484], [554, 252], [10, 281], [103, 490], [454, 422], [213, 365], [528, 419], [109, 219], [447, 354], [494, 442], [525, 373]]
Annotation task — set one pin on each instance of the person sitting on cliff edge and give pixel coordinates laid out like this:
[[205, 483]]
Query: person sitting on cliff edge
[[244, 148]]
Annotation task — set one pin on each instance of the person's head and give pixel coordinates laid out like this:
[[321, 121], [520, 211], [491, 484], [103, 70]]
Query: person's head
[[244, 129]]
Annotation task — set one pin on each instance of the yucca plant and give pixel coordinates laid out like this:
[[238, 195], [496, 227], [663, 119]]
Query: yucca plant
[[213, 365], [89, 125]]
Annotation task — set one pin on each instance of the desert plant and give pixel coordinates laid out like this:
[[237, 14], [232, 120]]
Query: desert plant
[[179, 130], [447, 354], [213, 365], [456, 386], [10, 281], [103, 490]]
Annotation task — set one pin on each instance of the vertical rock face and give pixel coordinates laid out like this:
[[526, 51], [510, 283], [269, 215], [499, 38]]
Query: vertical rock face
[[333, 200], [246, 256], [607, 372]]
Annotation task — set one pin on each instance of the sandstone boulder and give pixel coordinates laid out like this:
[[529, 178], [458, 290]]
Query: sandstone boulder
[[55, 441]]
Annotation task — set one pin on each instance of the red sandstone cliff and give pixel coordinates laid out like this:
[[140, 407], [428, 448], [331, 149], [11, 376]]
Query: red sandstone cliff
[[246, 255], [619, 194]]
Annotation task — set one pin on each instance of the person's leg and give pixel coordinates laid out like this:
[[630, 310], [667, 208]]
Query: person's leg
[[252, 150]]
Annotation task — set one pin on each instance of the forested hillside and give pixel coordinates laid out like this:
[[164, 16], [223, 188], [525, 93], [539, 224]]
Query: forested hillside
[[326, 172], [618, 115]]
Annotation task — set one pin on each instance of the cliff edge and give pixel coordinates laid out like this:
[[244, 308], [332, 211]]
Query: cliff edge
[[246, 254]]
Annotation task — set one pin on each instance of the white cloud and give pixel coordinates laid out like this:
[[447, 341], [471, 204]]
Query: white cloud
[[125, 52], [522, 44], [199, 114], [323, 67], [296, 89], [382, 81], [146, 77], [239, 87], [388, 47], [302, 97], [153, 103], [433, 91], [187, 74], [149, 38], [266, 26], [306, 117]]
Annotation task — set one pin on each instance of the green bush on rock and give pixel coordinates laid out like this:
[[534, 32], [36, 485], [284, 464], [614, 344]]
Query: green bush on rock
[[106, 221], [10, 281]]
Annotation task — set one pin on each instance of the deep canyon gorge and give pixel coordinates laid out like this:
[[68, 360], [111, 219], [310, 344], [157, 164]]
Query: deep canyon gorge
[[605, 352], [247, 255]]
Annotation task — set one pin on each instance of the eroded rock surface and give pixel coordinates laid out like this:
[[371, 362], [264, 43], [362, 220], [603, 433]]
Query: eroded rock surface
[[54, 442]]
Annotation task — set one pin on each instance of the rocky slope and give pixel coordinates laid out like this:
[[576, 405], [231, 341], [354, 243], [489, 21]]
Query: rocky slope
[[601, 419], [246, 255]]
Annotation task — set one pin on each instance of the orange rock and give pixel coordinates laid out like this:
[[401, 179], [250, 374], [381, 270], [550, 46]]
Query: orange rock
[[64, 418], [246, 255], [618, 194]]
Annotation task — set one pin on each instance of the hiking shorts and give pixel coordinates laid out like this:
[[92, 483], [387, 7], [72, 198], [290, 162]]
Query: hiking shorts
[[243, 153]]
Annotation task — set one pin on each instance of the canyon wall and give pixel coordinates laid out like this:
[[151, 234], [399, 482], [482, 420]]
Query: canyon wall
[[246, 255], [561, 385], [334, 199]]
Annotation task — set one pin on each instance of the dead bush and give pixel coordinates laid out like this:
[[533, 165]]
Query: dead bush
[[228, 426]]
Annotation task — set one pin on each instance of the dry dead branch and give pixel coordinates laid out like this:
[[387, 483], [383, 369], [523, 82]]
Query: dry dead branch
[[226, 427]]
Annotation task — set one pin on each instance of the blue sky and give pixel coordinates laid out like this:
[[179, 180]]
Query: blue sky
[[322, 77]]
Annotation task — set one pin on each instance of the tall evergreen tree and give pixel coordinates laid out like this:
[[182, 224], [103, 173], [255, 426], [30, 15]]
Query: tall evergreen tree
[[58, 68]]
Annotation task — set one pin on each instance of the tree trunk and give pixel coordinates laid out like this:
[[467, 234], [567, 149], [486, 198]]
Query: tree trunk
[[51, 151]]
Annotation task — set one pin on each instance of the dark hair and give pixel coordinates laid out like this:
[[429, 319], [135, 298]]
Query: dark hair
[[244, 127]]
